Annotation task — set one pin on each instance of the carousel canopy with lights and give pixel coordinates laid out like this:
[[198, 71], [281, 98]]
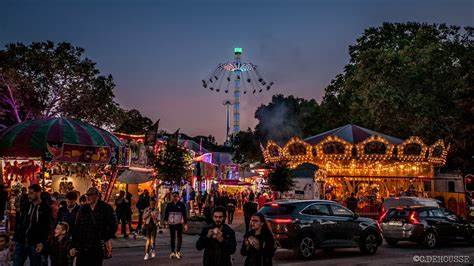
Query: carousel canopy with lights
[[60, 139], [353, 151]]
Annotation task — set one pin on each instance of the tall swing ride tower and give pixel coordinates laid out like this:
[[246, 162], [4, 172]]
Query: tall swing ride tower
[[240, 78]]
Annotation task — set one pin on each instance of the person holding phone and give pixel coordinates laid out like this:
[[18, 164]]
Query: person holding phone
[[217, 240], [259, 244]]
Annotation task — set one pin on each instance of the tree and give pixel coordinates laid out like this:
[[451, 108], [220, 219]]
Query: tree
[[45, 79], [408, 79], [173, 162], [285, 117], [246, 146], [281, 178], [133, 122]]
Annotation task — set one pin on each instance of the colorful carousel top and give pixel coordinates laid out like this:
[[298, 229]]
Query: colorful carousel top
[[356, 151], [61, 139]]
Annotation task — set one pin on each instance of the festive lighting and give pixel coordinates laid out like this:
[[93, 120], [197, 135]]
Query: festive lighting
[[335, 157]]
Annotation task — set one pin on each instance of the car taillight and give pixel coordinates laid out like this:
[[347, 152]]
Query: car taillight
[[382, 217], [283, 221], [280, 225], [413, 218]]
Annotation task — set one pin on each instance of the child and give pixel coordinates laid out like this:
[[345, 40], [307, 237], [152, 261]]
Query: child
[[4, 250], [60, 245], [151, 219]]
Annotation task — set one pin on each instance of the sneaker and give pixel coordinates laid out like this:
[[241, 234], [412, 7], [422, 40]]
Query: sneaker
[[146, 257], [172, 255], [179, 255], [153, 253]]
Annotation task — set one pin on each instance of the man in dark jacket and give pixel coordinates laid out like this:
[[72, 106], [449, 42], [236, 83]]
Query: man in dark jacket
[[33, 226], [217, 240], [123, 210], [250, 208], [142, 204], [175, 216], [94, 229], [352, 202], [69, 212]]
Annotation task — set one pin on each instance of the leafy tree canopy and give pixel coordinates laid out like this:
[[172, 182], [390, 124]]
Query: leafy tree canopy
[[281, 178], [133, 122], [246, 146], [408, 79], [173, 162], [45, 79], [285, 117]]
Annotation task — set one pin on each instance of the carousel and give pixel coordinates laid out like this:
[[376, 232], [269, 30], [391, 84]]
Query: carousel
[[370, 164]]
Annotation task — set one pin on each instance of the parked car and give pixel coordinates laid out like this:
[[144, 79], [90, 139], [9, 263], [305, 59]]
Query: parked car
[[405, 201], [307, 225], [426, 225]]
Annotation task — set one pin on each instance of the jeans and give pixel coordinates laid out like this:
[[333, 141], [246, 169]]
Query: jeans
[[230, 215], [150, 237], [247, 223], [22, 252], [140, 220], [123, 222], [176, 230]]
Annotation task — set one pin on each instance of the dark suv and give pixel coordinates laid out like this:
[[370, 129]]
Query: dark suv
[[305, 225], [426, 225]]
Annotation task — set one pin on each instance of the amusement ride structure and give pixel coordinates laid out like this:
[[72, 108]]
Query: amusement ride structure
[[239, 77]]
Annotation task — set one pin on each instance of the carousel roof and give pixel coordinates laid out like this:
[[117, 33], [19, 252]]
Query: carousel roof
[[352, 134], [35, 138]]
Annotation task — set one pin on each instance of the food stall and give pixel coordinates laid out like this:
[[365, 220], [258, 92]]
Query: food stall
[[60, 154]]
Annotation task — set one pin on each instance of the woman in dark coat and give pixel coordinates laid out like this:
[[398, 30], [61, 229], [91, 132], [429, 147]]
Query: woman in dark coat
[[259, 245]]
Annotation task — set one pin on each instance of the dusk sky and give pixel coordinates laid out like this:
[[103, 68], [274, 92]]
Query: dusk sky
[[159, 51]]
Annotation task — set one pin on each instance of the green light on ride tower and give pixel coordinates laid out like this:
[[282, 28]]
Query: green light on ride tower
[[237, 50]]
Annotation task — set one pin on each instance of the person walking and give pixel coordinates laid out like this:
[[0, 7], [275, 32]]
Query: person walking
[[192, 200], [151, 220], [231, 205], [352, 202], [199, 202], [175, 216], [129, 212], [69, 212], [209, 205], [32, 229], [259, 244], [94, 229], [250, 208], [217, 240], [59, 246], [142, 204], [122, 209]]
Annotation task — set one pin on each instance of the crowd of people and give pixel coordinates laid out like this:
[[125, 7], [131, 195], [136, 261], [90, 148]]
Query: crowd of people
[[61, 229]]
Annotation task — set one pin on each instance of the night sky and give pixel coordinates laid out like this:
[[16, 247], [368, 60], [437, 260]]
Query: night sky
[[159, 51]]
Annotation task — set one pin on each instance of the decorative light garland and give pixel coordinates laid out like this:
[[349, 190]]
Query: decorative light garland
[[378, 157], [346, 163], [415, 158]]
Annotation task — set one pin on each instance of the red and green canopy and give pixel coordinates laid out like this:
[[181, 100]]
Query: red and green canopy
[[59, 139]]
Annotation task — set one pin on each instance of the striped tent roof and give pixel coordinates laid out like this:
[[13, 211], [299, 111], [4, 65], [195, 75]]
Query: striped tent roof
[[352, 134], [31, 138]]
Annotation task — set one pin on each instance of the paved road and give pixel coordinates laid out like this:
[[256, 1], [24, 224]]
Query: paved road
[[130, 252], [401, 255]]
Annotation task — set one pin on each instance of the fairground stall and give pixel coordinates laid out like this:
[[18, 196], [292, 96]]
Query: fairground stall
[[60, 154], [138, 174], [370, 164]]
